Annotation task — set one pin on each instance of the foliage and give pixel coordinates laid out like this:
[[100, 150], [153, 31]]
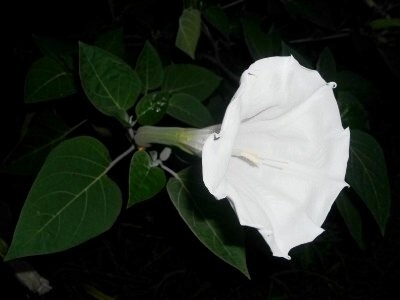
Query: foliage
[[178, 75]]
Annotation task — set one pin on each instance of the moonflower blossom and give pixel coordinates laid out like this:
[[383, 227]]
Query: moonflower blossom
[[281, 154]]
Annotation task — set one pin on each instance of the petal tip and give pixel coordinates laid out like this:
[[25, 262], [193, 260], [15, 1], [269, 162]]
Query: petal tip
[[332, 84]]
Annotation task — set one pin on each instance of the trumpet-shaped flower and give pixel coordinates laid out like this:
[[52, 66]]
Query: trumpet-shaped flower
[[281, 154]]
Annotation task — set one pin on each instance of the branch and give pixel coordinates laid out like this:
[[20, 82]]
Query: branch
[[217, 60]]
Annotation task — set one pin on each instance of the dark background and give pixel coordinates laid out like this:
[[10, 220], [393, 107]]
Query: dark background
[[150, 253]]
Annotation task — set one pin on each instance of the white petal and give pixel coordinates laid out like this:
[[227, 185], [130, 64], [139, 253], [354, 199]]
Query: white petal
[[275, 85], [277, 210], [309, 142], [217, 151], [281, 155]]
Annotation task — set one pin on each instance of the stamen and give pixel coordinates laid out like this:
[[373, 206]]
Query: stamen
[[251, 157], [272, 166], [256, 161], [275, 160]]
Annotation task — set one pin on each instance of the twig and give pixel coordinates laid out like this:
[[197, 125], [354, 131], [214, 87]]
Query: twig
[[112, 9], [119, 158], [217, 60], [223, 68], [323, 38], [170, 171], [232, 4], [27, 121]]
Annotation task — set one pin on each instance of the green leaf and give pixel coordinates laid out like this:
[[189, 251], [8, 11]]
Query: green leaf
[[260, 44], [217, 17], [189, 110], [109, 83], [190, 79], [188, 31], [149, 68], [367, 175], [213, 222], [151, 108], [43, 133], [59, 50], [217, 106], [351, 217], [47, 79], [385, 23], [357, 85], [287, 50], [71, 200], [145, 179], [326, 65], [112, 41], [352, 112]]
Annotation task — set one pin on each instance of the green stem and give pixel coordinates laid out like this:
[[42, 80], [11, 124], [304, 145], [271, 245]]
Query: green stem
[[119, 158]]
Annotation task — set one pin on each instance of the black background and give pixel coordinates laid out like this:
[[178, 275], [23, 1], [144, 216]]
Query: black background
[[150, 254]]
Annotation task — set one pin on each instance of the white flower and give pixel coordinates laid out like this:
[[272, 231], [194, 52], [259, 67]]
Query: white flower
[[281, 154]]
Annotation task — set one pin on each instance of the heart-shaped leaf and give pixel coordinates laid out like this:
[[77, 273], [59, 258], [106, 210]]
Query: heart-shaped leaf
[[149, 68], [188, 31], [189, 110], [213, 222], [71, 200], [190, 79], [351, 217], [145, 179], [367, 175], [352, 113], [151, 108], [48, 79], [109, 83]]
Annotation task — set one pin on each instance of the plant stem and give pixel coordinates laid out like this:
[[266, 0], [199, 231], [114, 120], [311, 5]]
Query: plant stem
[[119, 158]]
